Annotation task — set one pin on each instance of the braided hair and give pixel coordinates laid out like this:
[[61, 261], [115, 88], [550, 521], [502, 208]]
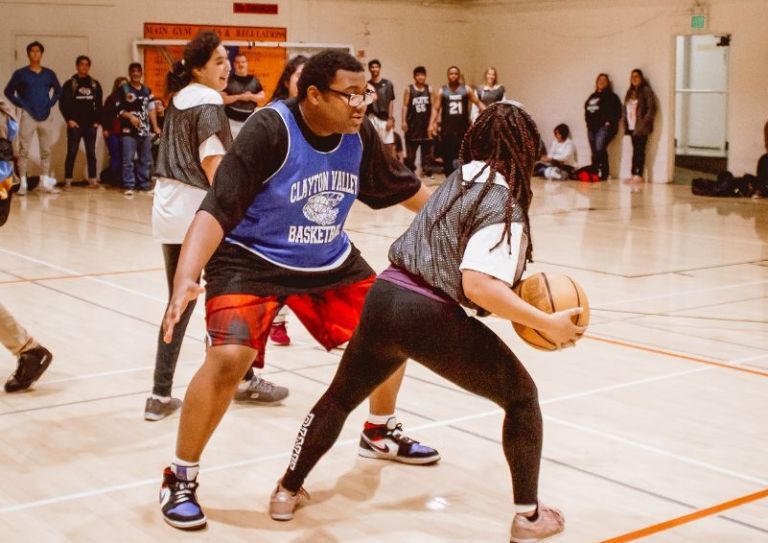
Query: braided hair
[[507, 140]]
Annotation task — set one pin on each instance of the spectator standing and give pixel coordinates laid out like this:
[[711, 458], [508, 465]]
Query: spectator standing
[[640, 109], [136, 108], [35, 89], [602, 113], [450, 106], [417, 107], [491, 91], [381, 111], [242, 95], [110, 126], [81, 105]]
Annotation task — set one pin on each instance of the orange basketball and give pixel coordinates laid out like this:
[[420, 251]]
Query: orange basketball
[[550, 292]]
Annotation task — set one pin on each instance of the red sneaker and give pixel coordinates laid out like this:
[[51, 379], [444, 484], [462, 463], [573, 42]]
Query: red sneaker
[[279, 335]]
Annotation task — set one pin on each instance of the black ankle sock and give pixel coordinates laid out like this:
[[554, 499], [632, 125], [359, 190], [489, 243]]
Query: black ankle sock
[[248, 374]]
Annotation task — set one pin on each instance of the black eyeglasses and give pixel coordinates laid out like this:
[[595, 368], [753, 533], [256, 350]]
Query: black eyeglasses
[[356, 100]]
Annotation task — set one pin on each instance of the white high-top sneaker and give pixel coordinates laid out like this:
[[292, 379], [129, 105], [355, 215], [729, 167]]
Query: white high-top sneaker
[[48, 184], [23, 186]]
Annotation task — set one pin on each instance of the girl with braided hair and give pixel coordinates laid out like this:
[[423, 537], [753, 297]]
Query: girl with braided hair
[[466, 247]]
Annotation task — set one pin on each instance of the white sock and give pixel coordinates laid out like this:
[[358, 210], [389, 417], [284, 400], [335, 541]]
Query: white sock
[[163, 399], [381, 420], [525, 509], [184, 470]]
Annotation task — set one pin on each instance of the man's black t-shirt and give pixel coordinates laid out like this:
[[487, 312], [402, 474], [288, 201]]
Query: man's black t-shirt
[[258, 152]]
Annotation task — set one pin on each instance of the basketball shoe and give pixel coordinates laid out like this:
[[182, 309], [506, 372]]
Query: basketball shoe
[[178, 502], [155, 409], [282, 502], [261, 392], [31, 365], [549, 522], [278, 335], [387, 442]]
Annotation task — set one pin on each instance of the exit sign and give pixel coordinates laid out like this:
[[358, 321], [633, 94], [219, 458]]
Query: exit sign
[[697, 21]]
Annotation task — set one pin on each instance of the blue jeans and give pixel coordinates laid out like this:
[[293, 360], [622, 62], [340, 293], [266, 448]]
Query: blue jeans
[[598, 144], [115, 147], [136, 172]]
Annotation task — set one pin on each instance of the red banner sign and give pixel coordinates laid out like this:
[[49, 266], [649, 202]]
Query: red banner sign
[[168, 31]]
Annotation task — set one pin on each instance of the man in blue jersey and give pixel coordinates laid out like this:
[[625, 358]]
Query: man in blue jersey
[[270, 233]]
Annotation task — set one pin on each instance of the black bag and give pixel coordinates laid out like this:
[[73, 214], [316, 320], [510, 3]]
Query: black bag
[[725, 185]]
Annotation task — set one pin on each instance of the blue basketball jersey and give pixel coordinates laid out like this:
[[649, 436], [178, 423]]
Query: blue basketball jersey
[[297, 220]]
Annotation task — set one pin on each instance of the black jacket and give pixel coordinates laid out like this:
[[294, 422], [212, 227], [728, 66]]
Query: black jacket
[[601, 108], [81, 100]]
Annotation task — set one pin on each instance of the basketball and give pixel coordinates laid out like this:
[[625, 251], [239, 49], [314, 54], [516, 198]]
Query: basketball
[[550, 292]]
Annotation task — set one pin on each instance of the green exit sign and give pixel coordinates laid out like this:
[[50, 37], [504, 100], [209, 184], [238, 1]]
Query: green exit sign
[[697, 21]]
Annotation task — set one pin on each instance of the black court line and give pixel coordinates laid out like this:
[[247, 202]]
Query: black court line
[[558, 462], [671, 314], [80, 220], [101, 306], [142, 392], [702, 268], [694, 336], [614, 481]]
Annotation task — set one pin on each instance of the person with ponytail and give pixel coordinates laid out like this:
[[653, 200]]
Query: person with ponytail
[[466, 247], [195, 137]]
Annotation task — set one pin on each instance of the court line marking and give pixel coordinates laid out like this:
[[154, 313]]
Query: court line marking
[[606, 304], [415, 428], [81, 276], [656, 450], [690, 517], [618, 482], [69, 271], [682, 356]]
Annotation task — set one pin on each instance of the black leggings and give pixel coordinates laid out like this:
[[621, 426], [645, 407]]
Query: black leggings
[[168, 353], [397, 324], [88, 134]]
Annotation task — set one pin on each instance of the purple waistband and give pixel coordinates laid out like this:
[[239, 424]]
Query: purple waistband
[[414, 283]]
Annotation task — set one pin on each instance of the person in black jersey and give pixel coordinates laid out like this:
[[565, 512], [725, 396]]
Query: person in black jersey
[[381, 111], [417, 107], [242, 95], [467, 247], [450, 107]]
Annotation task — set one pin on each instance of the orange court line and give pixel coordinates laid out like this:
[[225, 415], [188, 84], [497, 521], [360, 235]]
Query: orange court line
[[676, 355], [81, 276], [696, 515]]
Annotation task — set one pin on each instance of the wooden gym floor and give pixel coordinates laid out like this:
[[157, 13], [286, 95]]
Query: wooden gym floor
[[655, 424]]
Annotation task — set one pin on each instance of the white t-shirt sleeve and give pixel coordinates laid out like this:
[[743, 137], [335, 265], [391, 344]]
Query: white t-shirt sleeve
[[500, 262], [211, 147]]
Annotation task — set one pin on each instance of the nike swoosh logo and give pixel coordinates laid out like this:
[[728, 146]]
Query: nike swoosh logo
[[373, 445]]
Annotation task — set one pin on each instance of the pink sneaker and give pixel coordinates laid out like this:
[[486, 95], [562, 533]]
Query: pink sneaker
[[279, 335], [550, 522], [282, 503]]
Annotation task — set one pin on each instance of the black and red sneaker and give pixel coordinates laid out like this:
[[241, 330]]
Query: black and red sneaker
[[387, 442]]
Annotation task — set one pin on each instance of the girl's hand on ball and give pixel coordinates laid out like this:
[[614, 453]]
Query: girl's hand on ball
[[561, 329]]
